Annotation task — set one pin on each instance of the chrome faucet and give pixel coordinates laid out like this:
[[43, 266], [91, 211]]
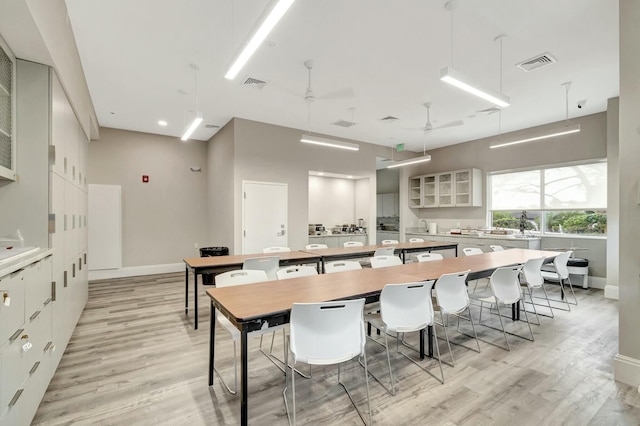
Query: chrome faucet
[[423, 223]]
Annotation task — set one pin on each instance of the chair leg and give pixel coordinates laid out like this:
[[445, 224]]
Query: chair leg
[[533, 305], [386, 343], [233, 391], [473, 327], [435, 338], [504, 332], [546, 296], [446, 335], [572, 293], [527, 318]]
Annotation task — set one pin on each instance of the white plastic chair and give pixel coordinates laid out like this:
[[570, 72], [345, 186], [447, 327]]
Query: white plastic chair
[[428, 257], [341, 266], [296, 271], [384, 251], [327, 333], [471, 251], [316, 246], [384, 261], [269, 264], [416, 240], [404, 308], [452, 299], [353, 244], [232, 278], [505, 290], [496, 247], [532, 280], [276, 250], [389, 242], [560, 272]]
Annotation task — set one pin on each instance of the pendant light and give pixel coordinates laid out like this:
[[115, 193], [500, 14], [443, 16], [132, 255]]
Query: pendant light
[[566, 129], [197, 120], [410, 161], [457, 79]]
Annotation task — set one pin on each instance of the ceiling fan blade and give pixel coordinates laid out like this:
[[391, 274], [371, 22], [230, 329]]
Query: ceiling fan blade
[[449, 124], [344, 93]]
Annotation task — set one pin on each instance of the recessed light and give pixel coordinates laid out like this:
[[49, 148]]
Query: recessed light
[[162, 123]]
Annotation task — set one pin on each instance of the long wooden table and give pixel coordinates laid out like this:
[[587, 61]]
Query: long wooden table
[[219, 264], [345, 253], [249, 307]]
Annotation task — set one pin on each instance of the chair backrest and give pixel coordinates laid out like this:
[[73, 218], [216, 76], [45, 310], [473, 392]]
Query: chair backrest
[[296, 271], [560, 263], [384, 251], [532, 273], [388, 242], [406, 307], [451, 292], [416, 240], [428, 257], [276, 250], [353, 244], [496, 247], [316, 246], [341, 266], [384, 261], [269, 264], [505, 284], [328, 332], [471, 251], [239, 277]]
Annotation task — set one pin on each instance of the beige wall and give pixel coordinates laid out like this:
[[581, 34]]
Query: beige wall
[[613, 195], [220, 188], [265, 152], [162, 219], [627, 365]]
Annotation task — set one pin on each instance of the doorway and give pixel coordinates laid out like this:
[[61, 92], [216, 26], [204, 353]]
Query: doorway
[[264, 216]]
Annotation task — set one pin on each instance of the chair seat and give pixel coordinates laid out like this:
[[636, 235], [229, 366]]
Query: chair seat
[[375, 319], [235, 333], [550, 275], [483, 296]]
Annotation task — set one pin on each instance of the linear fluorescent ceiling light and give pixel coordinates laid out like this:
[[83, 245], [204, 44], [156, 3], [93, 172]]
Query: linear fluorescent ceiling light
[[329, 142], [459, 80], [264, 26], [558, 131], [193, 126], [410, 161]]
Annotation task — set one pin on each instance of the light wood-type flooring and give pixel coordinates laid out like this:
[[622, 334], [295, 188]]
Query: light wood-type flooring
[[135, 359]]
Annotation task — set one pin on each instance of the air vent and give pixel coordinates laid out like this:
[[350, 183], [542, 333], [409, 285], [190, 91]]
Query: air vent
[[211, 126], [389, 119], [254, 82], [344, 123], [537, 62]]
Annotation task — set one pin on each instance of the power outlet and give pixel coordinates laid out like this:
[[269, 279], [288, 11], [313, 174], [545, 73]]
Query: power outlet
[[195, 245]]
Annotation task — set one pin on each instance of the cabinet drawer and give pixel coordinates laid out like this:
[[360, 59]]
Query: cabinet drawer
[[12, 316], [16, 362], [37, 285]]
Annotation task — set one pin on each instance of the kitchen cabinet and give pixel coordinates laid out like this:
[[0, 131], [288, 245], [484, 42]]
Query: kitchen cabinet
[[460, 188], [330, 241], [352, 237], [386, 235], [7, 113], [387, 205], [337, 240], [483, 242]]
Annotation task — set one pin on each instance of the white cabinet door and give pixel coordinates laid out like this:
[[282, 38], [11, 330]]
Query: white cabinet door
[[379, 205], [388, 209], [430, 191]]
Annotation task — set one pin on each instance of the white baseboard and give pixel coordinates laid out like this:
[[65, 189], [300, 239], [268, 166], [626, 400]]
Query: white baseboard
[[134, 271], [611, 292], [596, 282], [626, 370]]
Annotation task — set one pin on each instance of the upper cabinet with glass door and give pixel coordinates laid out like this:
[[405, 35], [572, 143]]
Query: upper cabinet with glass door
[[7, 113], [460, 188], [445, 190], [468, 188]]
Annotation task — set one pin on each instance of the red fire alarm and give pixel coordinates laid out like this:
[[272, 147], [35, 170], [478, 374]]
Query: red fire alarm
[[145, 179]]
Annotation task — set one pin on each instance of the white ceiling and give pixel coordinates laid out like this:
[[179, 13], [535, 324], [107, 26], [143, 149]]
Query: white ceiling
[[137, 54]]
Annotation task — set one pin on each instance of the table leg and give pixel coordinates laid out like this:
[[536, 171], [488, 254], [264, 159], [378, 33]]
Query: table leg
[[430, 337], [186, 290], [403, 255], [195, 298], [421, 344], [244, 408], [212, 341]]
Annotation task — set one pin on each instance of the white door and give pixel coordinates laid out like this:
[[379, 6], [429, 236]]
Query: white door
[[264, 216]]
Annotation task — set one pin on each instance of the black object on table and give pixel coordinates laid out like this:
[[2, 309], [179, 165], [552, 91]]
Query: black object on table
[[208, 279]]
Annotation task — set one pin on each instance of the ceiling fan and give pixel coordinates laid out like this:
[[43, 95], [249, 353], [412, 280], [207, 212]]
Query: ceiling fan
[[310, 96], [428, 127]]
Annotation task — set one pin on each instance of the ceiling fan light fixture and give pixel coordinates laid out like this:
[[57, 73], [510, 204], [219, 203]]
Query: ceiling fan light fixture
[[558, 131], [456, 78], [314, 140], [265, 24], [410, 161], [192, 126]]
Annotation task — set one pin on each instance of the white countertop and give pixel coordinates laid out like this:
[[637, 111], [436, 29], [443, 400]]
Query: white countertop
[[337, 235], [487, 236], [18, 262]]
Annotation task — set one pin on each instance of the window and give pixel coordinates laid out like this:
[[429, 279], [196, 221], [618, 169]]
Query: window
[[559, 200]]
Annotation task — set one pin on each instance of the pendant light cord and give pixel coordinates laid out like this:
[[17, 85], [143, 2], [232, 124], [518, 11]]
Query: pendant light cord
[[451, 27]]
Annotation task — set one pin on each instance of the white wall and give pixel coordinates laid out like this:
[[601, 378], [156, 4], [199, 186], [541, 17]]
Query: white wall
[[331, 201], [613, 198], [220, 188]]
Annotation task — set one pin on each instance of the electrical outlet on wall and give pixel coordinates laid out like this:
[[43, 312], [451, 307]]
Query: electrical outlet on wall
[[195, 245]]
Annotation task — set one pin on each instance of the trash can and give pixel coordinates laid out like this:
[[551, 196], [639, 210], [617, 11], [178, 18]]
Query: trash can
[[207, 279], [578, 266]]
